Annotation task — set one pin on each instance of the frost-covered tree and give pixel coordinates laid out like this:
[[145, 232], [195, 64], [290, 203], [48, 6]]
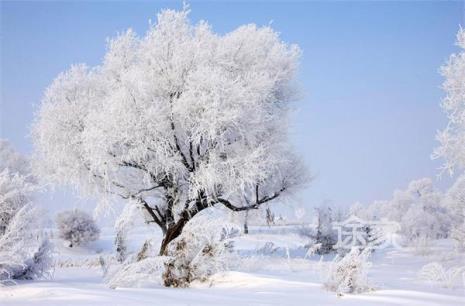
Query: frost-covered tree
[[14, 162], [76, 227], [177, 121], [24, 250], [418, 210], [452, 138]]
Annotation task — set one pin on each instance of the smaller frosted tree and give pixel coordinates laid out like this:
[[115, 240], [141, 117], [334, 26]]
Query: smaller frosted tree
[[76, 227], [424, 217]]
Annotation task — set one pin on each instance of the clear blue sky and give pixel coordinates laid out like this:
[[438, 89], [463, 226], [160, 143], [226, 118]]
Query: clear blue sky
[[369, 75]]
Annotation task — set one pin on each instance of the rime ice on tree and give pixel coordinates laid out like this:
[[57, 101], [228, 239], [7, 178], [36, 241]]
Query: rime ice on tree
[[176, 121]]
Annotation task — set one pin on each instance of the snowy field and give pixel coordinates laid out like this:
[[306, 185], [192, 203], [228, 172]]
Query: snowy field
[[281, 277]]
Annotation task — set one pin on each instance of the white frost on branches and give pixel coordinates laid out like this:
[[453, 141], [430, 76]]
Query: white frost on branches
[[348, 274], [178, 120], [436, 273], [452, 138], [143, 273]]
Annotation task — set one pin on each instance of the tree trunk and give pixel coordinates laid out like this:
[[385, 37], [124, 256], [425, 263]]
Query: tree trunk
[[172, 233], [246, 226]]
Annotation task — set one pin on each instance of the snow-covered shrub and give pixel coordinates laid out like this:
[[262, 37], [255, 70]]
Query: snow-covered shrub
[[39, 265], [24, 249], [202, 250], [25, 252], [123, 224], [76, 227], [348, 274], [267, 249], [146, 272], [436, 273], [15, 192]]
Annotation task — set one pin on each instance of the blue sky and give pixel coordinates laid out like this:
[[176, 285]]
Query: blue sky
[[369, 77]]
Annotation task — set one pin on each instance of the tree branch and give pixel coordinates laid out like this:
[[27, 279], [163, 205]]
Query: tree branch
[[176, 142], [148, 189], [151, 212], [228, 204], [256, 205]]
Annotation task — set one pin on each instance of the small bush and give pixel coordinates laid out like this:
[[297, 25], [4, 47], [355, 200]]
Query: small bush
[[144, 273], [76, 227], [349, 273], [436, 273]]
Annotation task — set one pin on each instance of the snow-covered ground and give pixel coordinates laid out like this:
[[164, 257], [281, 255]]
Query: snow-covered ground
[[260, 277]]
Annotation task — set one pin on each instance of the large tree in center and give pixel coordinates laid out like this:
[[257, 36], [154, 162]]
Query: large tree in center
[[177, 121]]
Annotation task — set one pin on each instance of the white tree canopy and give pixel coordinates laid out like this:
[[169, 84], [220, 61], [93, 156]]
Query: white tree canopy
[[452, 138], [176, 121]]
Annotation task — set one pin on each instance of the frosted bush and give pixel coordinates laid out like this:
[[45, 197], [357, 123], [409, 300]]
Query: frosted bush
[[267, 249], [202, 250], [143, 273], [123, 224], [76, 227], [25, 252], [435, 272], [24, 249], [348, 274]]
